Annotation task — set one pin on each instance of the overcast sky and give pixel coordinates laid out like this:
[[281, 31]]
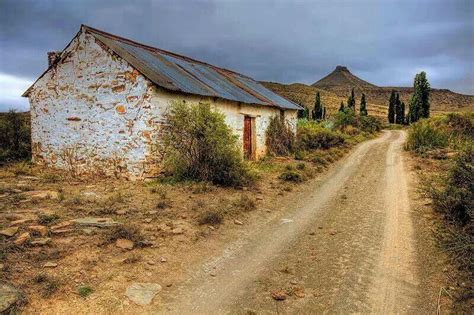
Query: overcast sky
[[383, 42]]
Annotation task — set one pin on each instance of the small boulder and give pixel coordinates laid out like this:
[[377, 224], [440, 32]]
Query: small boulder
[[177, 231], [163, 259], [238, 222], [279, 295], [142, 293], [22, 239], [9, 232], [19, 222], [41, 241], [50, 264], [124, 243], [98, 222], [10, 298], [42, 194], [41, 229]]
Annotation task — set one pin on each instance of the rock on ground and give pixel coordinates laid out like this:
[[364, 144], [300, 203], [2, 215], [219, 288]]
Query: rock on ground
[[10, 298], [142, 293]]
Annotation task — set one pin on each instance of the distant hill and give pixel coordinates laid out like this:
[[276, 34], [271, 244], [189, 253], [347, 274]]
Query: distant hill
[[336, 86], [342, 77]]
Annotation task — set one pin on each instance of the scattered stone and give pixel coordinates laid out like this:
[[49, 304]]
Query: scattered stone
[[152, 212], [211, 228], [148, 220], [332, 232], [61, 225], [238, 222], [26, 177], [312, 233], [259, 198], [279, 295], [42, 194], [320, 227], [98, 222], [10, 298], [50, 264], [22, 239], [9, 232], [169, 285], [177, 231], [63, 231], [213, 273], [41, 241], [163, 259], [151, 262], [299, 293], [121, 212], [124, 243], [293, 282], [41, 229], [90, 194], [142, 293], [1, 267], [285, 221], [88, 231], [19, 222]]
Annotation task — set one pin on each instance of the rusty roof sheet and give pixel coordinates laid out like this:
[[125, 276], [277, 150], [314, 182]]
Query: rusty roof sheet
[[179, 73]]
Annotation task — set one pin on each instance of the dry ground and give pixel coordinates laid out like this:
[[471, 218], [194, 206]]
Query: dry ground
[[350, 239]]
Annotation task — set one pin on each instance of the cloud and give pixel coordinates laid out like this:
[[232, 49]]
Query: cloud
[[384, 42], [11, 87]]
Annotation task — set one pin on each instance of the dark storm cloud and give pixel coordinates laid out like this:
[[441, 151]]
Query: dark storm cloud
[[384, 42]]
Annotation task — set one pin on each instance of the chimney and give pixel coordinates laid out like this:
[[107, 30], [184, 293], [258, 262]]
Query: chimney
[[52, 57]]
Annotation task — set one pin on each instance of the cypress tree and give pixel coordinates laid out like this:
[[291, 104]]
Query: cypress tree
[[402, 113], [351, 100], [306, 113], [419, 102], [399, 111], [324, 113], [391, 107], [341, 108], [363, 106], [318, 110]]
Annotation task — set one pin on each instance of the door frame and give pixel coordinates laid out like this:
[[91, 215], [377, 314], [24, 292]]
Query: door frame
[[253, 138]]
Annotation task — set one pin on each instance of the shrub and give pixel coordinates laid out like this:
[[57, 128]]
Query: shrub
[[312, 136], [245, 203], [291, 176], [368, 124], [454, 194], [211, 218], [47, 219], [84, 291], [129, 232], [15, 142], [280, 139], [198, 145], [424, 136], [48, 284]]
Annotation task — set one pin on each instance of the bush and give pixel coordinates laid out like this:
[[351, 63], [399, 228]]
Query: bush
[[454, 195], [15, 141], [424, 135], [291, 176], [198, 145], [280, 139], [129, 232], [211, 218], [312, 136]]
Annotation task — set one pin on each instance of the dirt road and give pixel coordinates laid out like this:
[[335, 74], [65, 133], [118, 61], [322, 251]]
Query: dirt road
[[346, 244]]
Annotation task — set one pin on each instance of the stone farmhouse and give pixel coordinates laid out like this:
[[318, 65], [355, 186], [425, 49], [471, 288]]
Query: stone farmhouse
[[99, 106]]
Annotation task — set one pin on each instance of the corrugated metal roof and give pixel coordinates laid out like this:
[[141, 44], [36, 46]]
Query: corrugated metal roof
[[183, 74]]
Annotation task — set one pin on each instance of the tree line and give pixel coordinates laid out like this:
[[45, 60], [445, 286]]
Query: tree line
[[419, 106]]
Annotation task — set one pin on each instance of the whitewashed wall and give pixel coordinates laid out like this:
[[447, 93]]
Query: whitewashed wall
[[94, 113]]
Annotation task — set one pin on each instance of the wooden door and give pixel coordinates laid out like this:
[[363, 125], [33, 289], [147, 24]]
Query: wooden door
[[247, 137]]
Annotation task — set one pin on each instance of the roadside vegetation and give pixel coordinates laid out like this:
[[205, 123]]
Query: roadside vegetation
[[446, 144], [15, 141]]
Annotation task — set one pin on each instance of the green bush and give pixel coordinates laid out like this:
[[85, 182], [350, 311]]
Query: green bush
[[424, 135], [15, 141], [198, 145], [280, 139], [291, 176], [348, 120], [454, 194], [311, 135]]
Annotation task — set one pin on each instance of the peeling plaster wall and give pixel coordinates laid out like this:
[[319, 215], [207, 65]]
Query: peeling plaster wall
[[94, 113], [90, 112]]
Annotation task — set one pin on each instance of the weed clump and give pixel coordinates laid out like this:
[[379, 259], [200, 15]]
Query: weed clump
[[47, 219], [15, 141], [129, 232], [312, 135], [244, 202], [280, 139], [48, 285], [291, 176], [212, 217], [84, 291], [198, 145], [424, 135]]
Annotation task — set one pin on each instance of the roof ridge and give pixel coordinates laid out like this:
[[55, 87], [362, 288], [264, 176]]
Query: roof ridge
[[163, 51]]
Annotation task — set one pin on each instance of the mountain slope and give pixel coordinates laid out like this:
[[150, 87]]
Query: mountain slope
[[342, 77], [336, 86]]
